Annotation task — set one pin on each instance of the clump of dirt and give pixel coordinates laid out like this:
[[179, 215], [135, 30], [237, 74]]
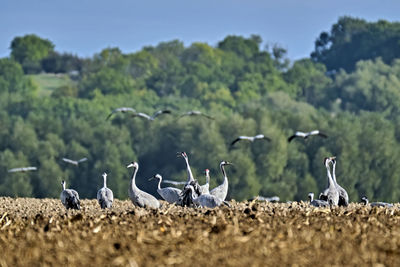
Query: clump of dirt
[[43, 232]]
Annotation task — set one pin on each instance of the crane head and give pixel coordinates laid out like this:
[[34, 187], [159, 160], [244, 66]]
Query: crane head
[[311, 196], [206, 171], [181, 154], [104, 174], [326, 161], [157, 176], [225, 163], [133, 165], [364, 199]]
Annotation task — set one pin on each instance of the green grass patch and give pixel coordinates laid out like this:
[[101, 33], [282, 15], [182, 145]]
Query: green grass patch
[[47, 82]]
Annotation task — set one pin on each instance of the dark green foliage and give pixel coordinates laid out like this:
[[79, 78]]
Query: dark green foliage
[[351, 40], [246, 89], [29, 50]]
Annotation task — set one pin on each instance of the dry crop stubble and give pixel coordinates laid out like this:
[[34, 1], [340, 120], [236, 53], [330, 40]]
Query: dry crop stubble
[[41, 232]]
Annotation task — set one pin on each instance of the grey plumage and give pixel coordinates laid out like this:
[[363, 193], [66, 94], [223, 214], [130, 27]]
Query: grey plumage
[[221, 191], [122, 109], [250, 138], [205, 189], [365, 200], [317, 202], [343, 196], [138, 197], [69, 198], [173, 182], [273, 199], [23, 169], [205, 200], [169, 194], [196, 113], [306, 135], [186, 196], [332, 194], [105, 196], [152, 117], [74, 162]]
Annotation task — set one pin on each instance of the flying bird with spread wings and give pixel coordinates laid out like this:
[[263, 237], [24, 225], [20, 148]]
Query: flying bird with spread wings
[[152, 117], [250, 138], [306, 135], [196, 113], [122, 110], [23, 169], [74, 162]]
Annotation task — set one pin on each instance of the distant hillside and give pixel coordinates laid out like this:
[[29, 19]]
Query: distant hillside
[[48, 82]]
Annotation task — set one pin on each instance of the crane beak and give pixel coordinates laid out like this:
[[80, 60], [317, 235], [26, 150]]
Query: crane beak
[[151, 178], [130, 165]]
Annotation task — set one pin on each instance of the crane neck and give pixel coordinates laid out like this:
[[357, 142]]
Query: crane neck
[[207, 178], [159, 183], [63, 186], [330, 180], [133, 180], [311, 198], [189, 171], [334, 172], [223, 173], [105, 180]]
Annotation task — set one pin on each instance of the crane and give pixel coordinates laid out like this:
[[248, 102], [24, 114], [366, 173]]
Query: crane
[[250, 138], [74, 162], [138, 197], [317, 202], [169, 194], [69, 198], [122, 110], [105, 196], [222, 190], [306, 135]]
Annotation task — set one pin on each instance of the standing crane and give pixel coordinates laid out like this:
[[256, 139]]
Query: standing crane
[[343, 196], [105, 196], [222, 190], [332, 194], [169, 194], [69, 198], [138, 197]]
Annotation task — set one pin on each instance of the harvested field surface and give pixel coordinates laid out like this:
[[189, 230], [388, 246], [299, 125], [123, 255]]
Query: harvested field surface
[[40, 232]]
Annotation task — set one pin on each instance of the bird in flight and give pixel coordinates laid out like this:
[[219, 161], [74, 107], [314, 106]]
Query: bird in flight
[[23, 169], [250, 138], [74, 162], [196, 113], [152, 117], [306, 135], [122, 109]]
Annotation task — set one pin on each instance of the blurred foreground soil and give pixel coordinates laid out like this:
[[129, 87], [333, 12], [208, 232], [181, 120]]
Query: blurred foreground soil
[[40, 232]]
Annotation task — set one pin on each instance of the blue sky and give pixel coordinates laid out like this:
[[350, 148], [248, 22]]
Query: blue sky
[[85, 27]]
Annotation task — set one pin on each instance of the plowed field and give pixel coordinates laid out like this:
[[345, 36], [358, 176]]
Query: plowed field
[[40, 232]]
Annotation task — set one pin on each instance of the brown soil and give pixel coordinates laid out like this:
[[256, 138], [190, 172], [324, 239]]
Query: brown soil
[[40, 232]]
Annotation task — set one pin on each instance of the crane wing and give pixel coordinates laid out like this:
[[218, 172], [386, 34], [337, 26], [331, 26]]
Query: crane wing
[[159, 112]]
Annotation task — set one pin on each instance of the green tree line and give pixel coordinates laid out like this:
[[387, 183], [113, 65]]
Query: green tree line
[[246, 88]]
